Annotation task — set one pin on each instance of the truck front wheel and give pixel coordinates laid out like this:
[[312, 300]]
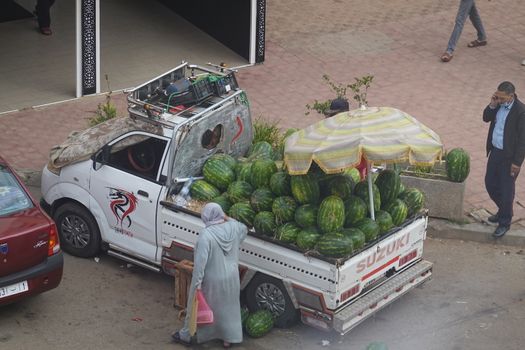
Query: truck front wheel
[[265, 292], [78, 230]]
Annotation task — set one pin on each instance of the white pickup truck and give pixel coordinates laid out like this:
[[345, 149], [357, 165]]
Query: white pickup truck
[[113, 186]]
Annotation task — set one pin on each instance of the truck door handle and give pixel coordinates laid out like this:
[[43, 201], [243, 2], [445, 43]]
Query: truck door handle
[[143, 193]]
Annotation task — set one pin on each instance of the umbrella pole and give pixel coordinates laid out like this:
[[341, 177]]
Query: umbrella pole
[[370, 190]]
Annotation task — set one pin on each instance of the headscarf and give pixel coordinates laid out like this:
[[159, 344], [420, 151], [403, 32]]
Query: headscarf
[[212, 214]]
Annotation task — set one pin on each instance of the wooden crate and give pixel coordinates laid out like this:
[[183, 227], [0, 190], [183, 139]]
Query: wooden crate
[[183, 273]]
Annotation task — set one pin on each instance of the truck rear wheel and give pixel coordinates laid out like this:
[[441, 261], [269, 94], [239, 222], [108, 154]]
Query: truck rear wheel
[[265, 292], [78, 230]]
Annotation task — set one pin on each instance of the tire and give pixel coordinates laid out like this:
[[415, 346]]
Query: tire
[[78, 230], [265, 292]]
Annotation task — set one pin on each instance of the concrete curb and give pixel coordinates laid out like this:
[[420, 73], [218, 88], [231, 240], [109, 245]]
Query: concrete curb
[[438, 228]]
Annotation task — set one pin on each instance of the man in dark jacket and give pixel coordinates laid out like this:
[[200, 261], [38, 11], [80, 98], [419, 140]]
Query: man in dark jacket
[[506, 150]]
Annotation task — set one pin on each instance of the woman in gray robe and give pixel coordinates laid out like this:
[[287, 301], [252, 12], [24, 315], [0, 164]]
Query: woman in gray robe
[[216, 273]]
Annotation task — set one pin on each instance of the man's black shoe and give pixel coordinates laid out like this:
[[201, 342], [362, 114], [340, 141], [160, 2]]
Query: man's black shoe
[[500, 231], [494, 219]]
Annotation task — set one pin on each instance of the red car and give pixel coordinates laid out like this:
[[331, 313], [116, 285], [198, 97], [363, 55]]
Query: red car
[[30, 256]]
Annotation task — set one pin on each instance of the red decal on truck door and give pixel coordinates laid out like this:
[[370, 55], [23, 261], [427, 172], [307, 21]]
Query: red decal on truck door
[[123, 203], [241, 129]]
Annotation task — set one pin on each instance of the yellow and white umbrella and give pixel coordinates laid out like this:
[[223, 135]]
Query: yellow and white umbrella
[[379, 134]]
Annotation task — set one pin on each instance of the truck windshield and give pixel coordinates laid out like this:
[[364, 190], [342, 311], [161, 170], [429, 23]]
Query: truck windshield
[[12, 196]]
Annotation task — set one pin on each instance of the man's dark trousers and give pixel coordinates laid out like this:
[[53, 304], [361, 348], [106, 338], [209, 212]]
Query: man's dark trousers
[[42, 10], [500, 185]]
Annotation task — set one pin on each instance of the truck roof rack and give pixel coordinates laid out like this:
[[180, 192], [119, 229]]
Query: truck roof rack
[[184, 93]]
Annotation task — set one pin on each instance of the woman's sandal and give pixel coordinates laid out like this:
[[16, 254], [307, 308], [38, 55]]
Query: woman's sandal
[[446, 57], [176, 338], [476, 43]]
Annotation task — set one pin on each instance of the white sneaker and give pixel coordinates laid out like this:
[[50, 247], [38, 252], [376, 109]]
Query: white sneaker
[[523, 63]]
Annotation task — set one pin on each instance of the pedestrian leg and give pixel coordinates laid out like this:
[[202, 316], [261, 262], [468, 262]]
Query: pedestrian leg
[[463, 11], [507, 185], [476, 22], [492, 179]]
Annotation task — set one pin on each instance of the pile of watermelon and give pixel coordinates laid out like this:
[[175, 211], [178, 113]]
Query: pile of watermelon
[[325, 214]]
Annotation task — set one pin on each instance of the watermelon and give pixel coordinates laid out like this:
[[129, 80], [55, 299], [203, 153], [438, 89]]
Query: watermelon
[[223, 201], [377, 346], [242, 212], [262, 199], [388, 183], [355, 210], [261, 172], [264, 223], [239, 191], [335, 245], [458, 164], [280, 184], [398, 210], [306, 215], [331, 214], [341, 186], [414, 199], [288, 232], [226, 158], [307, 238], [203, 190], [218, 173], [244, 315], [354, 174], [357, 236], [260, 150], [361, 190], [369, 227], [284, 209], [401, 189], [384, 220], [259, 323], [244, 171], [305, 189]]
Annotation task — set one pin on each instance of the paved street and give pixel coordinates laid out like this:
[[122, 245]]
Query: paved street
[[476, 300]]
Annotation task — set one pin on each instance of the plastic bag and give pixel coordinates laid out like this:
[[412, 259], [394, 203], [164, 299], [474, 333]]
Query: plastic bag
[[204, 313]]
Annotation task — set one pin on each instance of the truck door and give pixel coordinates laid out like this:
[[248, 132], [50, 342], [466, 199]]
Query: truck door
[[127, 189]]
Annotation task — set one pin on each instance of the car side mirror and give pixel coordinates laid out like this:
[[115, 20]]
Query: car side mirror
[[100, 158]]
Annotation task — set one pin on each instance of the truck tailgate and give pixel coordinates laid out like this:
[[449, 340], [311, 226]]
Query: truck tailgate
[[368, 304]]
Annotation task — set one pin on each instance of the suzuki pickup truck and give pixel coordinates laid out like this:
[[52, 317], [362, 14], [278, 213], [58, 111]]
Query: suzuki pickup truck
[[113, 188]]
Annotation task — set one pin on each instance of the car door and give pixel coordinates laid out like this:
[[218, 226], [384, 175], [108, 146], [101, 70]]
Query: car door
[[127, 189]]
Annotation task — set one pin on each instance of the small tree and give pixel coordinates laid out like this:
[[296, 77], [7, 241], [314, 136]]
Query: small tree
[[106, 110], [340, 91]]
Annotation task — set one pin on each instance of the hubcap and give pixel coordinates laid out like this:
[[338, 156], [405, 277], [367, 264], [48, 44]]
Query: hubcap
[[268, 296], [75, 231]]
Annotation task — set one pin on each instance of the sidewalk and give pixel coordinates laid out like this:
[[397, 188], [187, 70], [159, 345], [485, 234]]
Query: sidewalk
[[399, 42]]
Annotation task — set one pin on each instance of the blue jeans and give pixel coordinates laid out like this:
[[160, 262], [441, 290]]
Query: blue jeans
[[466, 7]]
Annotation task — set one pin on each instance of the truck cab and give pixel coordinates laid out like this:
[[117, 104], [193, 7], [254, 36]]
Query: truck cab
[[104, 185]]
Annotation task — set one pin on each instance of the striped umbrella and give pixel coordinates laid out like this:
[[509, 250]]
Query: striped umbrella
[[379, 134]]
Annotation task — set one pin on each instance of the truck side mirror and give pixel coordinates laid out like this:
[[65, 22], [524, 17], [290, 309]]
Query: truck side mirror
[[100, 158]]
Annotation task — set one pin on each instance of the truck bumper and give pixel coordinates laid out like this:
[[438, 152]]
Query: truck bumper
[[367, 305]]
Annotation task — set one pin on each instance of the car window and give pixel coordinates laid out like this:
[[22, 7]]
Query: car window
[[138, 154], [12, 196]]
